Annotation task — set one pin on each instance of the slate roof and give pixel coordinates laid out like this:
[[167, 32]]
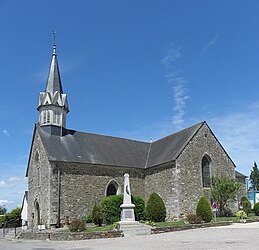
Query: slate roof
[[238, 174], [83, 147]]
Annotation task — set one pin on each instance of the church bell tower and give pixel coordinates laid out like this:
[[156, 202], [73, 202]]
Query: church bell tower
[[53, 105]]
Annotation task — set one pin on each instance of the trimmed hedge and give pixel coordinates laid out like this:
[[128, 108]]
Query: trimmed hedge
[[203, 209], [155, 209], [139, 203], [111, 208]]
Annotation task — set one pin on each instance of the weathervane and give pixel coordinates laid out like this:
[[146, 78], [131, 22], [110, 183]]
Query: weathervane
[[54, 42]]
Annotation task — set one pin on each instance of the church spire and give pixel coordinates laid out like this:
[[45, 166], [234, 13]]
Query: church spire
[[54, 81], [53, 105]]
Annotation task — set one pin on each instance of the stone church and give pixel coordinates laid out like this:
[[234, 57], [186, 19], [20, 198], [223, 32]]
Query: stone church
[[68, 170]]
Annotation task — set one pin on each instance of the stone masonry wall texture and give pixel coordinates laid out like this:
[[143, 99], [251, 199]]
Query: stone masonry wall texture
[[189, 165], [38, 184], [83, 185]]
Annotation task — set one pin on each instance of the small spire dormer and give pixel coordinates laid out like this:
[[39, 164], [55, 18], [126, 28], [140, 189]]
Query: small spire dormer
[[53, 104]]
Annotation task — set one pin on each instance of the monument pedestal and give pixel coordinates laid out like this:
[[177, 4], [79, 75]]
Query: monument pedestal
[[127, 212], [134, 228]]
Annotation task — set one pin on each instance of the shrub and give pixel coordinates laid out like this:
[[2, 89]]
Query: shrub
[[256, 208], [97, 215], [87, 218], [203, 209], [194, 219], [155, 209], [241, 214], [111, 208], [246, 205], [139, 203], [77, 226]]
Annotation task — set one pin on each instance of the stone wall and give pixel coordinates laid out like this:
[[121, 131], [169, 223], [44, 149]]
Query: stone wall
[[190, 168], [38, 184], [82, 185], [61, 236], [163, 180]]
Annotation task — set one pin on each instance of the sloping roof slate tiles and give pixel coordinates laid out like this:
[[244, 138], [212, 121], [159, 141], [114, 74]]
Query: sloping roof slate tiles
[[91, 148]]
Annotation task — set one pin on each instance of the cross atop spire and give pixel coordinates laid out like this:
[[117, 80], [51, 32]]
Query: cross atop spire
[[54, 42]]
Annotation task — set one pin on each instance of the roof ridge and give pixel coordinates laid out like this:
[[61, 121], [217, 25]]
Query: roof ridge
[[199, 123], [110, 136]]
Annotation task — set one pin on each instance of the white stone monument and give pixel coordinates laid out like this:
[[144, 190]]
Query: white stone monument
[[128, 225], [127, 213]]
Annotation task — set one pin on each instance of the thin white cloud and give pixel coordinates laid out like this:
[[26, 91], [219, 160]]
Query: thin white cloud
[[210, 43], [10, 182], [6, 133], [5, 202], [178, 85], [239, 133], [4, 184], [14, 179]]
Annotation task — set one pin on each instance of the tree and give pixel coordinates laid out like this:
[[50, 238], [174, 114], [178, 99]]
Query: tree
[[203, 209], [155, 209], [14, 216], [223, 190], [2, 210], [254, 177]]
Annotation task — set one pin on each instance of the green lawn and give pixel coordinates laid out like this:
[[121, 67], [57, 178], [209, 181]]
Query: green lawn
[[99, 229]]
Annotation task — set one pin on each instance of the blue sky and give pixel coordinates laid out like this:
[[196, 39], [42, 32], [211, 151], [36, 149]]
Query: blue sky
[[138, 69]]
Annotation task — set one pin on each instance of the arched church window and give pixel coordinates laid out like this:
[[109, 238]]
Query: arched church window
[[206, 171], [58, 117], [37, 156], [112, 188], [48, 116], [37, 210], [54, 117], [44, 117]]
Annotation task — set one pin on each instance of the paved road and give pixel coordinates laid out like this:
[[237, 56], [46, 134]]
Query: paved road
[[237, 236]]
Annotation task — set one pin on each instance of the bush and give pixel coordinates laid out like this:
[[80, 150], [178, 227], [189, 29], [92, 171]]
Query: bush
[[155, 209], [241, 214], [203, 209], [87, 218], [76, 226], [246, 205], [97, 215], [194, 219], [139, 203], [256, 208], [111, 208]]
